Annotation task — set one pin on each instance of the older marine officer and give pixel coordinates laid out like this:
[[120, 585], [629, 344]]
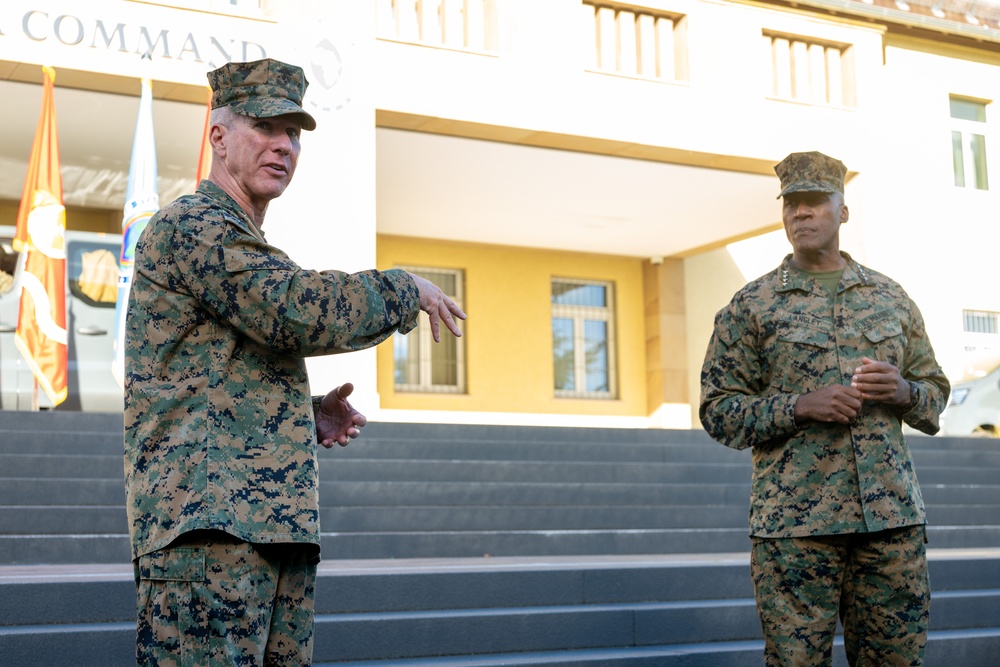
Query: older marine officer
[[220, 429]]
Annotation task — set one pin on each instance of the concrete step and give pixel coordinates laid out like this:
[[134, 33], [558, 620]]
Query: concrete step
[[959, 494], [965, 458], [82, 548], [75, 519], [471, 544], [41, 491], [114, 548], [376, 493], [59, 466], [57, 520], [975, 648], [486, 470]]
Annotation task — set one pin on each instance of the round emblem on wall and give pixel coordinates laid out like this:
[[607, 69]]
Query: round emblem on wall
[[327, 89]]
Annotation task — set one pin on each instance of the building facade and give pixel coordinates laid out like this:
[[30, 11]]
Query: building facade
[[590, 180]]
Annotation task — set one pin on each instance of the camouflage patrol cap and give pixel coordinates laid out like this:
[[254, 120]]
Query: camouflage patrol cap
[[810, 172], [261, 89]]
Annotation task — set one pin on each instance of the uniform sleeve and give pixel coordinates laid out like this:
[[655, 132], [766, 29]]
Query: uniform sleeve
[[260, 291], [735, 407], [931, 385]]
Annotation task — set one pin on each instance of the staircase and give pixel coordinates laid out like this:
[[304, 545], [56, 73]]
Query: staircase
[[481, 545]]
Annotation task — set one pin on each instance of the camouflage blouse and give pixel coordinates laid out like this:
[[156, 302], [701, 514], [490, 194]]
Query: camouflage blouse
[[219, 423], [775, 341]]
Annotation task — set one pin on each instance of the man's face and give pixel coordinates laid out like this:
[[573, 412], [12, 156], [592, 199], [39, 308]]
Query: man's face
[[812, 220], [261, 154]]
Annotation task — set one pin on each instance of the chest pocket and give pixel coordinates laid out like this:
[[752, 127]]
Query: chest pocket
[[802, 354], [886, 336]]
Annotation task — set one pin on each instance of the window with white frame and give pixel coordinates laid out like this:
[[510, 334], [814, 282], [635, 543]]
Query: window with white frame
[[634, 41], [811, 71], [968, 143], [583, 338], [420, 364], [467, 25], [982, 330]]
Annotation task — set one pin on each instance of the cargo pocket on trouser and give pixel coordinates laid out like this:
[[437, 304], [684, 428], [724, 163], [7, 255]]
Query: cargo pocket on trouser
[[171, 623]]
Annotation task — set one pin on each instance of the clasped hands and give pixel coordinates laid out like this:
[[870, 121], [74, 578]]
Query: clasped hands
[[873, 381]]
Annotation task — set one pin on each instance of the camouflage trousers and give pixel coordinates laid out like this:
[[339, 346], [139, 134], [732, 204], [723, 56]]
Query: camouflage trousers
[[210, 599], [877, 583]]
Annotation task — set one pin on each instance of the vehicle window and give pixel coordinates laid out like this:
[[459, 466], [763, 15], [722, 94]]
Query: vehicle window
[[8, 264], [92, 270]]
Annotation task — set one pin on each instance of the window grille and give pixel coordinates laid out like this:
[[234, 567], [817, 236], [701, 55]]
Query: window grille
[[980, 321], [468, 25], [420, 364], [810, 71], [635, 42], [583, 339], [968, 143]]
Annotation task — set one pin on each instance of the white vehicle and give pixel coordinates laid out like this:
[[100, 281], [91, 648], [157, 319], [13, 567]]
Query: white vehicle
[[91, 291], [974, 406]]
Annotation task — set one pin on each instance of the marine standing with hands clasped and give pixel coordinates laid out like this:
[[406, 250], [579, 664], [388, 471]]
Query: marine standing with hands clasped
[[221, 432], [815, 366]]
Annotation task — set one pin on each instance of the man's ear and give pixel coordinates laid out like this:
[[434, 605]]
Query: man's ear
[[845, 214], [217, 139]]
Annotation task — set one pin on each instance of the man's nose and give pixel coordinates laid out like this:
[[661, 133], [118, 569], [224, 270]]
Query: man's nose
[[283, 143]]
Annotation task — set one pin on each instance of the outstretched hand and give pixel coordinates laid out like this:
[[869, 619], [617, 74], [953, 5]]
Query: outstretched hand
[[438, 306], [336, 420]]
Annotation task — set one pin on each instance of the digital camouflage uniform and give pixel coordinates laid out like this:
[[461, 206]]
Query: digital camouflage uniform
[[781, 337], [220, 432], [219, 422]]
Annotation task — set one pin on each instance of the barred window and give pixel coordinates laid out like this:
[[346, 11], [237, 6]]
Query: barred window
[[980, 321], [635, 41], [811, 71], [583, 338], [468, 25], [968, 143], [420, 364]]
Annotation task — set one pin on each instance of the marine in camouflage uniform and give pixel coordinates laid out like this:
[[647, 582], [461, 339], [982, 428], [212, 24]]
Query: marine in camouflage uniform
[[836, 514], [220, 428]]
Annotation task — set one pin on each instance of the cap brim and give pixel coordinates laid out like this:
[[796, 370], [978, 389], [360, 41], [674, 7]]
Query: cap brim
[[273, 108], [806, 187]]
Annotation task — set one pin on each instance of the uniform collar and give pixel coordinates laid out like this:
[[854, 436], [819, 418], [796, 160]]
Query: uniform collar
[[791, 278], [210, 189]]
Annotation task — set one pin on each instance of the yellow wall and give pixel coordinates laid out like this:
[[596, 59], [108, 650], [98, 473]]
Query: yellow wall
[[508, 335]]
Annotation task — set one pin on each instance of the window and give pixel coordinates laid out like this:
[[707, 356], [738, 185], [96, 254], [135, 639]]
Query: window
[[8, 264], [469, 25], [420, 364], [583, 338], [633, 42], [92, 272], [811, 71], [982, 330], [968, 143]]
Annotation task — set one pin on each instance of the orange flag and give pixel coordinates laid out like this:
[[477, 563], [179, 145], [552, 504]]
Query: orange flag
[[205, 157], [41, 235]]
